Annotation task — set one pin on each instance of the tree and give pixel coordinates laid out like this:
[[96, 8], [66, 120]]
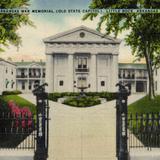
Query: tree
[[144, 37], [10, 23]]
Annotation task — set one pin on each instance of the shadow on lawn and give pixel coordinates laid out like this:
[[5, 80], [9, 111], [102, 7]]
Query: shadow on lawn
[[17, 132], [144, 130]]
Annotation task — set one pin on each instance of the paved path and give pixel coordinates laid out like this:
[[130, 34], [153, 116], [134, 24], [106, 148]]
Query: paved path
[[10, 154], [144, 154], [82, 133]]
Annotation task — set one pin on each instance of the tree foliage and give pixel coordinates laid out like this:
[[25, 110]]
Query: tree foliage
[[144, 38], [10, 23]]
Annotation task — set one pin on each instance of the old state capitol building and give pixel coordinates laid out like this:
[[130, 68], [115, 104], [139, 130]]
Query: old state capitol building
[[81, 56], [78, 57]]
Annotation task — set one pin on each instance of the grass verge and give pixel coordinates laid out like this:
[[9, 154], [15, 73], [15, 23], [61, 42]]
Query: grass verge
[[145, 105]]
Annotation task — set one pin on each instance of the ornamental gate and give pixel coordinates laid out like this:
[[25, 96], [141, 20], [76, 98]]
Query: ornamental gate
[[20, 129], [134, 130]]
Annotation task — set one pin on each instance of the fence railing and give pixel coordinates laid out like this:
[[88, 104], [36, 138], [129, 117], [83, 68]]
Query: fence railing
[[17, 132], [144, 130]]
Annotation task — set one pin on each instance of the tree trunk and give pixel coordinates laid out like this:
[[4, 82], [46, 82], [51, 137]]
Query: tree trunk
[[151, 69], [150, 72]]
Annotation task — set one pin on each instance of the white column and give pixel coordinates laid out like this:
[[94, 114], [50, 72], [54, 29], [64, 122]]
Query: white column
[[50, 73], [114, 73], [93, 73], [109, 83], [70, 73]]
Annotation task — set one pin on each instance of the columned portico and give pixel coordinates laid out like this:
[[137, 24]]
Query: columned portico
[[50, 72], [81, 56]]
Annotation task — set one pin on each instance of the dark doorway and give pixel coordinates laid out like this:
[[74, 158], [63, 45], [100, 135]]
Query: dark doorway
[[140, 86]]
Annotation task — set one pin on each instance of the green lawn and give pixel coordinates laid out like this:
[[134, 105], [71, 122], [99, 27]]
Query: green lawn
[[145, 105], [21, 102]]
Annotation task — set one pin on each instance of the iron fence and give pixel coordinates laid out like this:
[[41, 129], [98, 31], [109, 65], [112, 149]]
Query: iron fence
[[17, 131], [144, 130]]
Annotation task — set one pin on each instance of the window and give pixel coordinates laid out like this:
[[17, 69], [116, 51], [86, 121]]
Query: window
[[7, 82], [119, 74], [129, 75], [22, 73], [30, 74], [124, 74], [6, 70], [61, 83], [12, 71], [30, 86], [23, 85], [82, 62], [82, 34], [102, 83], [34, 72], [12, 84]]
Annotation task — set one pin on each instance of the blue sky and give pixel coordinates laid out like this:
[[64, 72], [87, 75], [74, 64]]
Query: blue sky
[[54, 4], [49, 24]]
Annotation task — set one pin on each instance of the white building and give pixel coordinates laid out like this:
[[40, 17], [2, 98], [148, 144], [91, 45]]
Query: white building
[[81, 56], [8, 76], [134, 74], [28, 73]]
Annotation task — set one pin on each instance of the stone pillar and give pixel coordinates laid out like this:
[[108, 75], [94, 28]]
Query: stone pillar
[[114, 73], [93, 73], [50, 73], [70, 73]]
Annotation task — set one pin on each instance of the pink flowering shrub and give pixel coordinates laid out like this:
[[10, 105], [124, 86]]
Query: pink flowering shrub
[[23, 116]]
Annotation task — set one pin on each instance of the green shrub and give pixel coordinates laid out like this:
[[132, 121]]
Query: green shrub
[[50, 97], [92, 94], [54, 96], [82, 101], [11, 92]]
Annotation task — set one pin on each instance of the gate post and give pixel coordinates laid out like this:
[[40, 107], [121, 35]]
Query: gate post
[[121, 122], [42, 119]]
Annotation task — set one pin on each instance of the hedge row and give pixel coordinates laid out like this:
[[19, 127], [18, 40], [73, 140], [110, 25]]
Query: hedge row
[[11, 92], [108, 96]]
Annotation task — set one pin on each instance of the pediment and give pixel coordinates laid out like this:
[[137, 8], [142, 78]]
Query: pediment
[[81, 34]]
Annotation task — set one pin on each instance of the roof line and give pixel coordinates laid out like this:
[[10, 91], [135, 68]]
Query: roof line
[[13, 63], [45, 40]]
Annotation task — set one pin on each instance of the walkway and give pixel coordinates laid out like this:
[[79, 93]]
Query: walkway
[[82, 133]]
